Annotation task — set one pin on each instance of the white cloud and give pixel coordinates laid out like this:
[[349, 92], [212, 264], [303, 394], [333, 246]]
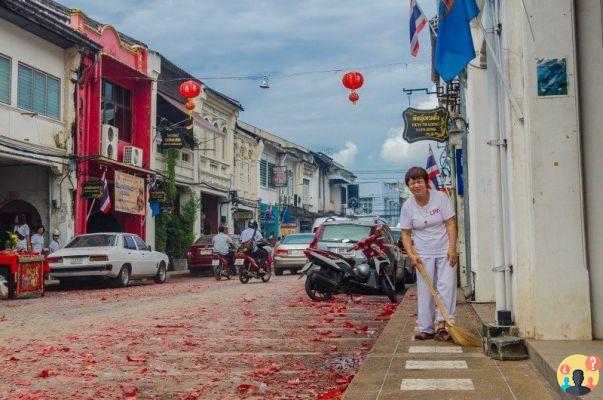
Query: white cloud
[[395, 149], [431, 102], [346, 155]]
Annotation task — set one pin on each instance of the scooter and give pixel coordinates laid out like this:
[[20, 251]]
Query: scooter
[[251, 269], [329, 273], [220, 267]]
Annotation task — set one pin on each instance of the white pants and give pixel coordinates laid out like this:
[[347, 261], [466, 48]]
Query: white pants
[[443, 278]]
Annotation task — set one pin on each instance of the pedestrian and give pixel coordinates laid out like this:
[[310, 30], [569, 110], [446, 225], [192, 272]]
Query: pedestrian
[[21, 229], [427, 221], [223, 245], [54, 243], [37, 240]]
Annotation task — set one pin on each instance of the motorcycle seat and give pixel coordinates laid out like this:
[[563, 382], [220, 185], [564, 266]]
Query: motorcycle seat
[[349, 260]]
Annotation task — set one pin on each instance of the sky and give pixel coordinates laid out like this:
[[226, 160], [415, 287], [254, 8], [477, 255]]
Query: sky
[[226, 38]]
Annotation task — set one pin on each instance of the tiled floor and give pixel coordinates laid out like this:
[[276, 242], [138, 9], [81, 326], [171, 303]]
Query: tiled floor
[[399, 367]]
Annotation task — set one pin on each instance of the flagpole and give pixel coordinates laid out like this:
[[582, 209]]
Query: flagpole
[[94, 199]]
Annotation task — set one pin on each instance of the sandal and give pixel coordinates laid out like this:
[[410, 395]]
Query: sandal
[[442, 335], [424, 336]]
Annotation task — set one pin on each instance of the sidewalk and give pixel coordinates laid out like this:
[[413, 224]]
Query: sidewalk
[[399, 367]]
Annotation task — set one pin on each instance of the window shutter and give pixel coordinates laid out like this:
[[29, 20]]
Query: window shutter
[[39, 92], [24, 99], [54, 98], [4, 79], [263, 173]]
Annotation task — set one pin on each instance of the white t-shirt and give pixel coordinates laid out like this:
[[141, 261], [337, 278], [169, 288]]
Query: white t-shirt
[[427, 223], [54, 246], [247, 235], [23, 231], [37, 243], [221, 243]]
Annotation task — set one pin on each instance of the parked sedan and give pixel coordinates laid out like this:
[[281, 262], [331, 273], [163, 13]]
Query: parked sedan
[[115, 256], [200, 255], [289, 253]]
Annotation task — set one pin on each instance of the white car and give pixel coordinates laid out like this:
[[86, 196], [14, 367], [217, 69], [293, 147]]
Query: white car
[[116, 256]]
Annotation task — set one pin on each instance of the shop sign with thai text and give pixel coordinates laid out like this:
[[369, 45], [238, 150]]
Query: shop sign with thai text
[[279, 176], [92, 189], [425, 124], [171, 140], [129, 194]]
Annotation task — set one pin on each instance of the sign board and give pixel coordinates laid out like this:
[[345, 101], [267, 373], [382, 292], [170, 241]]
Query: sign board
[[288, 229], [129, 194], [158, 195], [92, 189], [279, 176], [353, 196], [425, 124], [171, 140]]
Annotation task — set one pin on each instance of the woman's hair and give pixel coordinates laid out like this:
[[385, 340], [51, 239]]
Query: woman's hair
[[416, 173], [20, 219], [41, 226]]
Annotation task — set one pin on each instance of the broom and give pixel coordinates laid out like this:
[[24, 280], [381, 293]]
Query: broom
[[460, 336]]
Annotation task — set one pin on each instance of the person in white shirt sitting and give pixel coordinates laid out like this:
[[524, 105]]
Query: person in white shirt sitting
[[22, 231], [224, 246], [54, 243], [37, 240]]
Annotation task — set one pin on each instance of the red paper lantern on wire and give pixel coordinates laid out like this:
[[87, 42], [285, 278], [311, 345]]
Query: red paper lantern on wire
[[190, 106], [353, 80], [190, 89]]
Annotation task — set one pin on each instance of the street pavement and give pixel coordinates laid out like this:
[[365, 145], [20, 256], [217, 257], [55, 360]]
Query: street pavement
[[191, 338], [398, 367]]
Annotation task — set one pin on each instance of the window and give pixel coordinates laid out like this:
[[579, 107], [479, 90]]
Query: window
[[101, 240], [117, 109], [263, 173], [344, 195], [129, 243], [141, 245], [38, 92], [306, 192], [186, 157], [5, 66], [271, 175], [366, 204], [337, 233]]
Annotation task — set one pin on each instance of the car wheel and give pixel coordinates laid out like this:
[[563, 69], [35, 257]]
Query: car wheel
[[278, 272], [161, 273], [123, 279]]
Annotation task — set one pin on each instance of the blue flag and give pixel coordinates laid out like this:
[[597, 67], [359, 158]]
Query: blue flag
[[454, 45]]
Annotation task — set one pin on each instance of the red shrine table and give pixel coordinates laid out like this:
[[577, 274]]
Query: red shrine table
[[26, 273]]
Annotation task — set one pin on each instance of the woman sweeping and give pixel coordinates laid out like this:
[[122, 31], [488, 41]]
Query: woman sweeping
[[427, 219]]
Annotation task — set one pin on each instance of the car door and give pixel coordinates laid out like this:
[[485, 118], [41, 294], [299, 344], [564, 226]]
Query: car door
[[134, 256], [149, 261]]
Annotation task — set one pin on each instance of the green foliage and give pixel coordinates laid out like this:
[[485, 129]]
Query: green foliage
[[174, 232]]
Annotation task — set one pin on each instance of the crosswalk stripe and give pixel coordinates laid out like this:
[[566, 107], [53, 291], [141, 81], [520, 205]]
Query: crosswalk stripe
[[437, 384], [435, 349], [436, 364]]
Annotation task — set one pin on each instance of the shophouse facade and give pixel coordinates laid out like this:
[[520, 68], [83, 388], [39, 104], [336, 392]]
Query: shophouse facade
[[40, 65]]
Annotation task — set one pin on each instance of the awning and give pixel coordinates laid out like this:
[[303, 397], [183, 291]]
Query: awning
[[336, 178], [31, 153], [110, 161], [196, 117]]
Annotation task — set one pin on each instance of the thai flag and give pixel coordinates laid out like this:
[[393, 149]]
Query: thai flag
[[417, 23], [432, 170], [105, 203]]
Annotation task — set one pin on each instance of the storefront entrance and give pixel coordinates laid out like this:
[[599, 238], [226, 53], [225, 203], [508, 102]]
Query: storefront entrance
[[9, 210], [101, 222]]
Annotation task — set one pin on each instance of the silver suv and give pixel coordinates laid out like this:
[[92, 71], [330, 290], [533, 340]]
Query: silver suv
[[339, 237]]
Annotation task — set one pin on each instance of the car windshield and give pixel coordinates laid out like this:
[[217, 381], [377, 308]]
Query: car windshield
[[339, 233], [204, 240], [92, 241], [297, 239]]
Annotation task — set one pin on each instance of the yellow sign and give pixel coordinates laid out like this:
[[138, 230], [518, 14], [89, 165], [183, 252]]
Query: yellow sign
[[288, 229], [578, 374], [129, 194]]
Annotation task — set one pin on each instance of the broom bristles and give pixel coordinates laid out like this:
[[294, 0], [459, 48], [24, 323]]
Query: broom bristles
[[463, 337]]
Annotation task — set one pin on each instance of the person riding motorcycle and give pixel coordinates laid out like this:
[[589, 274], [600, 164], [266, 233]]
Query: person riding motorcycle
[[251, 236]]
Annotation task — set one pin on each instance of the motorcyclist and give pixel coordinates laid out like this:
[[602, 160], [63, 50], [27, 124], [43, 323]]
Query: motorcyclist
[[223, 245], [252, 236]]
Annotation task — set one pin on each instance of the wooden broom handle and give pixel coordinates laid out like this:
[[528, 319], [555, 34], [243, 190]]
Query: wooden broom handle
[[427, 281]]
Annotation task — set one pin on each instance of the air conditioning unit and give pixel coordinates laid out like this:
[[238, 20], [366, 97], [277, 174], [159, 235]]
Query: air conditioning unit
[[132, 155], [109, 139]]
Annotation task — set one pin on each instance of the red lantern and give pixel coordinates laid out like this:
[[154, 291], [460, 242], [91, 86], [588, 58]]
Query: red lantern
[[190, 89], [190, 106], [353, 97], [353, 80]]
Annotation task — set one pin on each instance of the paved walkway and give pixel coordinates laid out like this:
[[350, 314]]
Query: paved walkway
[[400, 368]]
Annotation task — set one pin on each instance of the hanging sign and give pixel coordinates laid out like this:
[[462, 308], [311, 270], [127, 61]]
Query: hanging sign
[[279, 176], [158, 195], [171, 140], [425, 124], [92, 189], [129, 194]]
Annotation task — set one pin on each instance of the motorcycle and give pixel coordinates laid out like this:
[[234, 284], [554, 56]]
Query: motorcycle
[[251, 269], [329, 273], [220, 267]]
